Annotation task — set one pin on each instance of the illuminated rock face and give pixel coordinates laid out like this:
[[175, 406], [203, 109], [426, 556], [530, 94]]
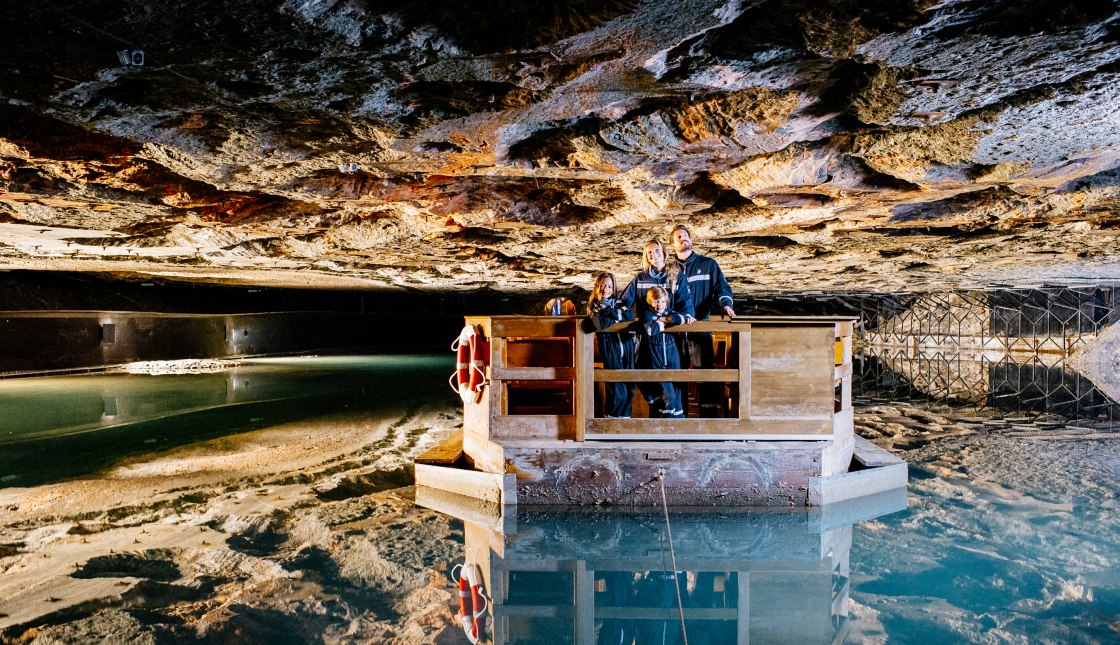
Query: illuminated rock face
[[524, 146]]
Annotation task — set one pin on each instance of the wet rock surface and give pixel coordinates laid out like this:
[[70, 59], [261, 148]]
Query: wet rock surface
[[442, 146]]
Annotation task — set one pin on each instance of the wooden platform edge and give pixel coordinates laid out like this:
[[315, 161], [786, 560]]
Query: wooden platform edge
[[444, 453], [889, 472], [488, 487]]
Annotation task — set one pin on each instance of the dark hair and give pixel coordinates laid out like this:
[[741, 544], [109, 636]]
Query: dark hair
[[597, 291]]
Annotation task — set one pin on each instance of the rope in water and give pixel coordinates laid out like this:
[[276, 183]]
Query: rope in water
[[672, 555]]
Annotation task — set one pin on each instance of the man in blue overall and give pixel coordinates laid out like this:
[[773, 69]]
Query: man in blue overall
[[710, 295]]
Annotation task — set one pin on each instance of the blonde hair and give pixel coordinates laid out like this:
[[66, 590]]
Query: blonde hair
[[597, 290], [671, 268], [654, 294]]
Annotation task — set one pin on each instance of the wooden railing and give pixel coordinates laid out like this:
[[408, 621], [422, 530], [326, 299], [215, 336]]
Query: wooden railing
[[785, 378]]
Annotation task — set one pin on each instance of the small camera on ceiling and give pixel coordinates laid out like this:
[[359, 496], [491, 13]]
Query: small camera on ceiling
[[132, 57]]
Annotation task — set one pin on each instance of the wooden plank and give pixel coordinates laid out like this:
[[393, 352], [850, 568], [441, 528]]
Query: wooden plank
[[741, 323], [664, 613], [792, 371], [695, 428], [845, 343], [476, 416], [533, 611], [483, 453], [444, 453], [496, 399], [845, 394], [678, 376], [584, 628], [743, 625], [656, 562], [472, 483], [532, 373], [482, 321], [535, 326], [532, 426], [487, 515], [746, 381], [584, 385]]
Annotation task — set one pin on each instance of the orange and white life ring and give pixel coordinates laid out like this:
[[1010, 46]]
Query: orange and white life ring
[[465, 609], [460, 380], [472, 618], [480, 358], [472, 355]]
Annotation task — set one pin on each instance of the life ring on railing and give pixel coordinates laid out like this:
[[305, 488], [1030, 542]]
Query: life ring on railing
[[472, 355], [480, 358], [472, 600], [461, 377]]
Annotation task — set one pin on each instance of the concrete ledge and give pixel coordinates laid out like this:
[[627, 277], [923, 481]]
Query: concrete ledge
[[694, 474], [882, 472], [492, 488]]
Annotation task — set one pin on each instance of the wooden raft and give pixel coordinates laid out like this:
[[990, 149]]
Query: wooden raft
[[538, 435]]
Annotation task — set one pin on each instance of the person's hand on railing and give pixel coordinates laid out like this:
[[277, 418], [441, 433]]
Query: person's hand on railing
[[728, 313], [688, 320]]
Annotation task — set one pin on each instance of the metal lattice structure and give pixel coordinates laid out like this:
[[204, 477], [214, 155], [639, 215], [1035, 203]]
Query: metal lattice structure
[[1005, 348]]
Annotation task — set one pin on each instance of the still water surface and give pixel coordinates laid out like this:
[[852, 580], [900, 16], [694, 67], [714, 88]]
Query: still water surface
[[1001, 537]]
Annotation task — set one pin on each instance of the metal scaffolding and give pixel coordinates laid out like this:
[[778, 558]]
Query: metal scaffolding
[[1003, 348]]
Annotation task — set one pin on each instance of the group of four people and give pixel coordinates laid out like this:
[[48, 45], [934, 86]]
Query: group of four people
[[665, 293]]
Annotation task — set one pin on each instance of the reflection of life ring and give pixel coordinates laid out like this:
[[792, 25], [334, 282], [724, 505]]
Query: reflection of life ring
[[472, 614]]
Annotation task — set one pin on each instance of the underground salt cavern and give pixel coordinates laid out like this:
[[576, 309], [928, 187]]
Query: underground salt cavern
[[237, 240]]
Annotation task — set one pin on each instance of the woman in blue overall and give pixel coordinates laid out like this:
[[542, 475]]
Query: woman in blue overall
[[617, 349], [655, 273]]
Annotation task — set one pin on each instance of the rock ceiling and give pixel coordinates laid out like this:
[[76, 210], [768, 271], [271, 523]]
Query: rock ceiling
[[519, 146]]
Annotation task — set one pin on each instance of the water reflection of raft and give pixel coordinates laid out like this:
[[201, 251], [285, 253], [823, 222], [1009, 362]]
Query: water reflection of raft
[[784, 436], [604, 575]]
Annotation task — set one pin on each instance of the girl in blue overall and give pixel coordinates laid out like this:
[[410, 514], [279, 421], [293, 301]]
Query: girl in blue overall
[[663, 350], [617, 349]]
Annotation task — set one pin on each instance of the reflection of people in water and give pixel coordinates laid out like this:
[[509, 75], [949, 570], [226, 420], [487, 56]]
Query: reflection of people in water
[[615, 589], [708, 590], [657, 589]]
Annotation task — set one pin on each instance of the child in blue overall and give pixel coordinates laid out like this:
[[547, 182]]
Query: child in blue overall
[[663, 351], [617, 349]]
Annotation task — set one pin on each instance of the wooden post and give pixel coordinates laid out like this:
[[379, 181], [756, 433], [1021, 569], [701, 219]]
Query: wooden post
[[743, 624], [745, 373], [584, 601], [583, 388]]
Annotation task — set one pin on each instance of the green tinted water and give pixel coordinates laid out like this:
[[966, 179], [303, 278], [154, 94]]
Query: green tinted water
[[63, 426]]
